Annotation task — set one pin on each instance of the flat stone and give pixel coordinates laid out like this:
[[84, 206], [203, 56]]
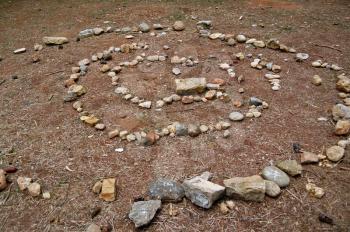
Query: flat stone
[[236, 116], [190, 85], [276, 175], [142, 212], [187, 99], [166, 190], [113, 133], [20, 50], [301, 56], [77, 89], [90, 120], [203, 128], [100, 126], [49, 40], [335, 153], [272, 189], [291, 167], [108, 190], [121, 90], [201, 192], [98, 31], [86, 33], [247, 188], [308, 158], [146, 104]]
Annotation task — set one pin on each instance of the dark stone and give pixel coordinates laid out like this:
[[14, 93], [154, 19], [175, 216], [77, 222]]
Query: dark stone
[[142, 212], [70, 97], [166, 190], [296, 148], [255, 101], [325, 219]]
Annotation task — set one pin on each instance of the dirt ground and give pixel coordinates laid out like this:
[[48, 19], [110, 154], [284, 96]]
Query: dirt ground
[[41, 135]]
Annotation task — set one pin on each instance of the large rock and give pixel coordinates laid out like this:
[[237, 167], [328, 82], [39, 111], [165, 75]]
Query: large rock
[[343, 84], [291, 167], [202, 192], [142, 212], [335, 153], [55, 40], [276, 175], [166, 190], [190, 85], [108, 189], [340, 111], [342, 127], [250, 188]]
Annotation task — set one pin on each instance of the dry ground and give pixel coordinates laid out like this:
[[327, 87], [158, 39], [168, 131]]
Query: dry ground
[[44, 135]]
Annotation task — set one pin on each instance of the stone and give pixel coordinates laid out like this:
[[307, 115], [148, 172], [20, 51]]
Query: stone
[[46, 195], [223, 208], [77, 105], [342, 127], [108, 190], [314, 191], [20, 50], [112, 134], [34, 189], [272, 189], [3, 182], [201, 192], [343, 143], [187, 99], [250, 188], [231, 42], [190, 85], [105, 68], [210, 94], [100, 126], [70, 96], [276, 175], [93, 228], [343, 84], [153, 58], [146, 104], [316, 80], [86, 33], [98, 31], [121, 90], [144, 27], [215, 35], [255, 101], [160, 104], [259, 44], [241, 38], [97, 187], [54, 40], [23, 182], [340, 111], [157, 26], [149, 139], [180, 129], [178, 26], [236, 116], [308, 158], [335, 153], [301, 56], [90, 120], [142, 212], [203, 128], [316, 63], [176, 71], [166, 190], [77, 89], [193, 130], [273, 44], [291, 167], [226, 134]]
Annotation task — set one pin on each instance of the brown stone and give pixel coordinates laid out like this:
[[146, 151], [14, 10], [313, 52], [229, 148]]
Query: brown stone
[[187, 99], [3, 183], [308, 158], [69, 82], [342, 127], [108, 189]]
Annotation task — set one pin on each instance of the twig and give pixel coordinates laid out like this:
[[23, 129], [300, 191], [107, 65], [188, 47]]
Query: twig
[[59, 71], [326, 46]]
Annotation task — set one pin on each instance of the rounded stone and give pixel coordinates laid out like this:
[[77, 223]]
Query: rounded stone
[[236, 116], [178, 26], [335, 153], [276, 175], [272, 189]]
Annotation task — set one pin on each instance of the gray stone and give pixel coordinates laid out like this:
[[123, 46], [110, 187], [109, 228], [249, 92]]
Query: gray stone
[[180, 129], [340, 111], [250, 188], [166, 190], [276, 175], [301, 56], [291, 167], [190, 85], [241, 38], [201, 192], [255, 101], [176, 71], [86, 33], [144, 27], [272, 189], [142, 212], [236, 116]]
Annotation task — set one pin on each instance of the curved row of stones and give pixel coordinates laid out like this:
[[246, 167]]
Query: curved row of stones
[[200, 190]]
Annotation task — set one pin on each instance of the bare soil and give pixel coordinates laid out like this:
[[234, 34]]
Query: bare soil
[[45, 135]]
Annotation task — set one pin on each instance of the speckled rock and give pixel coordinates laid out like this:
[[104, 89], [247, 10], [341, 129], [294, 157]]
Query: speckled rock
[[166, 190]]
